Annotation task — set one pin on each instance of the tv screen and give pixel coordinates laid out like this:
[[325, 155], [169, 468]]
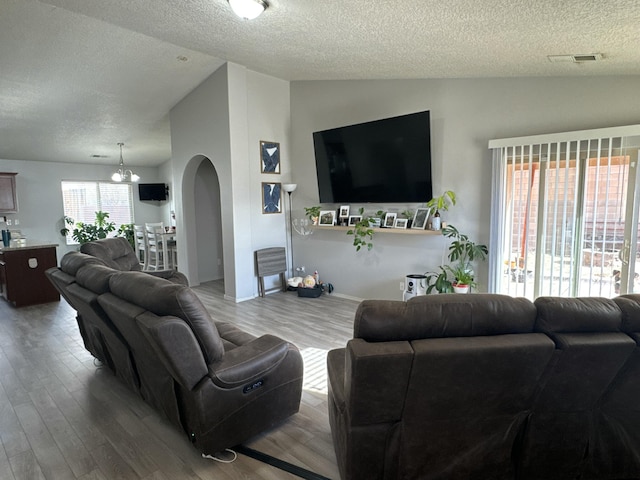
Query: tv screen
[[384, 161], [152, 191]]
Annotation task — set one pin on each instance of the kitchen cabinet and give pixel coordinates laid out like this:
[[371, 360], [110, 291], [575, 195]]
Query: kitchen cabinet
[[8, 194], [22, 278]]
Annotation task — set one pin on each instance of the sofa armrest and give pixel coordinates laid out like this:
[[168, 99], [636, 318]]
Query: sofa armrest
[[249, 362], [171, 275], [376, 380], [175, 344]]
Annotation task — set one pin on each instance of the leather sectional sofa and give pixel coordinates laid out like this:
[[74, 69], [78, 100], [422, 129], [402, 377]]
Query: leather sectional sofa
[[215, 382], [487, 386]]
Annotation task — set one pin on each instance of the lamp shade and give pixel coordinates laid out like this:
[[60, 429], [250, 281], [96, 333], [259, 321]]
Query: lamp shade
[[248, 9], [289, 187]]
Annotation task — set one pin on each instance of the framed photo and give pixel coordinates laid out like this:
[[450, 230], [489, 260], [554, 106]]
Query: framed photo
[[271, 196], [420, 218], [353, 219], [327, 218], [401, 223], [390, 220], [344, 212], [269, 157]]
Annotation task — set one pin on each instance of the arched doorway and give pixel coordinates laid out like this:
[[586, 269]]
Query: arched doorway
[[208, 222]]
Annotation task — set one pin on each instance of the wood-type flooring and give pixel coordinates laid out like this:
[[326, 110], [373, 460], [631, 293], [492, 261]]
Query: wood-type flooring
[[63, 417]]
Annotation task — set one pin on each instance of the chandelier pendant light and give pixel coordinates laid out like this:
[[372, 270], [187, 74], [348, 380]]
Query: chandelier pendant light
[[123, 174], [248, 9]]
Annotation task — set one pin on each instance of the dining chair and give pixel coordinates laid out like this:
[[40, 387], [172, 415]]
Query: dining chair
[[155, 246], [140, 244]]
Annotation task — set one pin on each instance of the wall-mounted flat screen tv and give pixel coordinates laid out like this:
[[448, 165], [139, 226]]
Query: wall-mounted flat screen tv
[[383, 161], [152, 191]]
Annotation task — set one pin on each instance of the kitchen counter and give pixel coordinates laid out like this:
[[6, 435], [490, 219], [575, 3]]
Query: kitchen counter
[[23, 243], [22, 278]]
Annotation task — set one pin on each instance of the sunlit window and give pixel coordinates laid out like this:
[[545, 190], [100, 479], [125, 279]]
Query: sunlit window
[[81, 201]]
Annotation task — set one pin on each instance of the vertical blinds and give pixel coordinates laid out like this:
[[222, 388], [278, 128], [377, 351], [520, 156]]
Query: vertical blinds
[[560, 213]]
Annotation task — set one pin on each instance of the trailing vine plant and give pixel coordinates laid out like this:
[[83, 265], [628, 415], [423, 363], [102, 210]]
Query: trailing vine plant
[[361, 231]]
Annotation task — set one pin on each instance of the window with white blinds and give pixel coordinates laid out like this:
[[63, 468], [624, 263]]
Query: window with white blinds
[[81, 201], [565, 215]]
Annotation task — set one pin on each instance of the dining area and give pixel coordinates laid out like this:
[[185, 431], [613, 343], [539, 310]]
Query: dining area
[[155, 246]]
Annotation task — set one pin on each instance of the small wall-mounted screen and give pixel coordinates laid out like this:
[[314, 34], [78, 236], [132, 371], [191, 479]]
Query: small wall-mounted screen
[[152, 191]]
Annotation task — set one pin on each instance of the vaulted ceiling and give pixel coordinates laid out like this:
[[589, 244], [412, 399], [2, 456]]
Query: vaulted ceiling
[[79, 76]]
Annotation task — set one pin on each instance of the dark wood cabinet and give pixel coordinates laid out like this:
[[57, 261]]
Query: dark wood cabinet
[[22, 278], [8, 195]]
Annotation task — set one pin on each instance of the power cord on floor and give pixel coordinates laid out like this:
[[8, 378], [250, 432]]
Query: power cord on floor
[[222, 460]]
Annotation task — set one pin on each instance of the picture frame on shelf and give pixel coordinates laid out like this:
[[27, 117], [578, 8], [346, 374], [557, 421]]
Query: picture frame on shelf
[[327, 218], [344, 212], [401, 223], [271, 197], [269, 157], [353, 219], [390, 219], [420, 218]]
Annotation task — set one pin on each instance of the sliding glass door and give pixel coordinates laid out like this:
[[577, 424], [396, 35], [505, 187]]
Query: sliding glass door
[[565, 215]]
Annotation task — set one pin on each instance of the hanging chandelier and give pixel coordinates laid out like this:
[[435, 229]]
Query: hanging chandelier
[[122, 174]]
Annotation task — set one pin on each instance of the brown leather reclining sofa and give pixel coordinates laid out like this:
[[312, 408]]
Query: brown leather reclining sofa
[[489, 387], [215, 382]]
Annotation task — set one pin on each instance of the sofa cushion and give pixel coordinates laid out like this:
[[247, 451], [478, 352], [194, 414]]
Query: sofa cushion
[[73, 261], [115, 252], [446, 315], [165, 298], [95, 278], [575, 315], [630, 307]]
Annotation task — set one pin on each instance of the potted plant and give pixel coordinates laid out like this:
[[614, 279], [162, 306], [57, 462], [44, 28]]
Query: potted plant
[[313, 213], [87, 232], [127, 231], [361, 230], [462, 252], [463, 279], [408, 214], [442, 202]]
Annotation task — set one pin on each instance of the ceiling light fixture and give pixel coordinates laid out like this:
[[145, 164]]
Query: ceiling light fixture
[[124, 175], [248, 9]]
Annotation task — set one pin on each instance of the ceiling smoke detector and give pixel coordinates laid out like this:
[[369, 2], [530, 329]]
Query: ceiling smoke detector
[[575, 58]]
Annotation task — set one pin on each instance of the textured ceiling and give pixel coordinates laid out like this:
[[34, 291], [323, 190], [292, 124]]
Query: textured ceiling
[[78, 76]]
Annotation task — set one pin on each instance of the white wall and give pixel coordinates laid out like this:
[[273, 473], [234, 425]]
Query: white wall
[[465, 115], [40, 196], [269, 119], [224, 119], [200, 129]]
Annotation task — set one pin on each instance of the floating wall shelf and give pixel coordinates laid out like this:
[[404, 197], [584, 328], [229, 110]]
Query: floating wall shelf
[[400, 231]]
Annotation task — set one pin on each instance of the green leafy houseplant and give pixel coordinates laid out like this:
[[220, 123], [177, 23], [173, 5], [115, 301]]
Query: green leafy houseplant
[[462, 252], [87, 232], [313, 213], [127, 231], [361, 231], [442, 202]]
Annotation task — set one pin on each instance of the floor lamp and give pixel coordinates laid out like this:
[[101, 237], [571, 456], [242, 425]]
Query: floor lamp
[[290, 188]]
